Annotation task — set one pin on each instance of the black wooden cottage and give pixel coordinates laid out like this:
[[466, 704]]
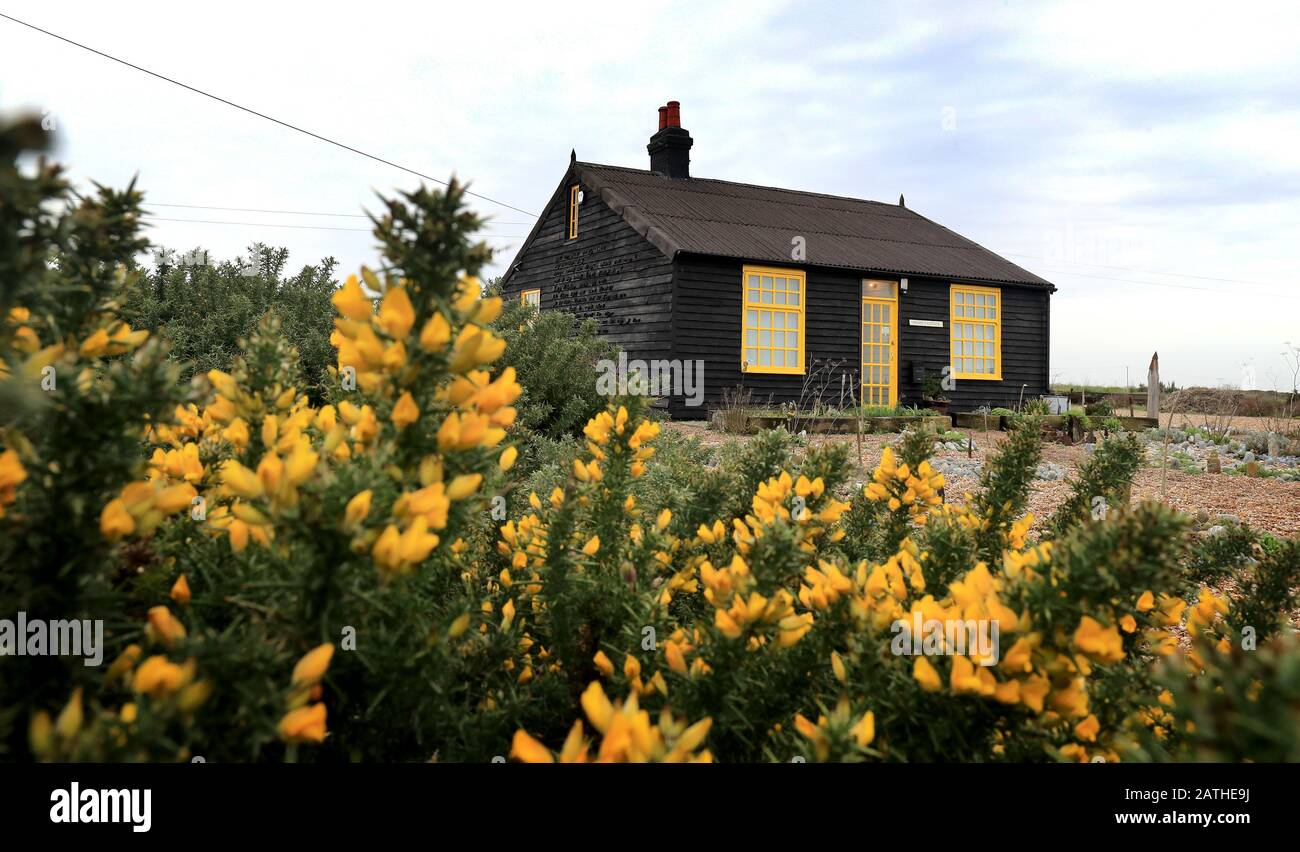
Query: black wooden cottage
[[767, 287]]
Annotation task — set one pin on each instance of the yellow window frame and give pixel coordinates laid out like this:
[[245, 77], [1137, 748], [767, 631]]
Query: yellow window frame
[[536, 292], [975, 335], [573, 211], [762, 317]]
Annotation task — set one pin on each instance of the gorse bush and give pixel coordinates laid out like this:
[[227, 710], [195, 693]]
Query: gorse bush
[[370, 575], [204, 310], [554, 356], [78, 388], [1102, 483]]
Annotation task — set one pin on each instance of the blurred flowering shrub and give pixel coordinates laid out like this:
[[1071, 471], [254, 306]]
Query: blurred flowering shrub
[[364, 578]]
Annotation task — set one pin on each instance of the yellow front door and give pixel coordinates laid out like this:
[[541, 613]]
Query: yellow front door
[[879, 343]]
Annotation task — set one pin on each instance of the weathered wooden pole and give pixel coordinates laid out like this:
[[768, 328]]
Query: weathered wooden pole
[[1153, 387]]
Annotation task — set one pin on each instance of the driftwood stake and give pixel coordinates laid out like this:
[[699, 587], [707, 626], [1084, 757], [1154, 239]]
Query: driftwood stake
[[1153, 387]]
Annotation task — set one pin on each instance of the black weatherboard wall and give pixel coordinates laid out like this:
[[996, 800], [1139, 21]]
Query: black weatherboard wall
[[1025, 345], [609, 274], [707, 326]]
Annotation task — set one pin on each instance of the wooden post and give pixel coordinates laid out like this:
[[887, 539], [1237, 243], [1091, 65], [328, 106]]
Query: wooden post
[[1128, 391], [1153, 387]]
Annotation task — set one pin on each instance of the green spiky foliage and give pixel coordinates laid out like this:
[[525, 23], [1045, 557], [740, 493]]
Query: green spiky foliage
[[73, 411], [205, 309], [1102, 483], [556, 356]]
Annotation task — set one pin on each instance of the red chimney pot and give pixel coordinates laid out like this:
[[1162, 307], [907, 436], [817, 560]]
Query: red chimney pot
[[663, 117], [674, 114]]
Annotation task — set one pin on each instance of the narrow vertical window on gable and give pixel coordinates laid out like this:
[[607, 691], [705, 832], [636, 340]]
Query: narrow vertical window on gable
[[573, 211], [772, 334], [976, 321]]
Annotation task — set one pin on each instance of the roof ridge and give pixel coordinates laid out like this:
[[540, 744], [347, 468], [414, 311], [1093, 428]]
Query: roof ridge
[[871, 201]]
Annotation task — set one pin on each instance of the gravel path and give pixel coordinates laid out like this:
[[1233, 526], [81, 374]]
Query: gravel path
[[1267, 504]]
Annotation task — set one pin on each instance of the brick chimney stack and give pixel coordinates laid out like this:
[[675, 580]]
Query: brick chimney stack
[[670, 147]]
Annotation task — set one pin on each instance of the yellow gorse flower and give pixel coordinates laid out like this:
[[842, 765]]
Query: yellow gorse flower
[[12, 474], [628, 735], [304, 724]]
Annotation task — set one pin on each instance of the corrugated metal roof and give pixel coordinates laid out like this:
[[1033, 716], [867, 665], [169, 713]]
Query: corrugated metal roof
[[716, 217]]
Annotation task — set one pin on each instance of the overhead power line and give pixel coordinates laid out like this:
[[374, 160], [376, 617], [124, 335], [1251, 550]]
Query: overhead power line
[[1143, 271], [261, 114], [259, 210], [290, 212], [299, 227], [1162, 284], [255, 224]]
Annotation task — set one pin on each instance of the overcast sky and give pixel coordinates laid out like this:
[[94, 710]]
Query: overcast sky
[[1143, 156]]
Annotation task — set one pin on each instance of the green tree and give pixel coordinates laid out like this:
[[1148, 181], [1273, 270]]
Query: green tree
[[207, 307]]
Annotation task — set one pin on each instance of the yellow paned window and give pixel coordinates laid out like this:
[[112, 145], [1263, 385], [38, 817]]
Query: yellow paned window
[[531, 297], [772, 337], [573, 211], [976, 320]]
